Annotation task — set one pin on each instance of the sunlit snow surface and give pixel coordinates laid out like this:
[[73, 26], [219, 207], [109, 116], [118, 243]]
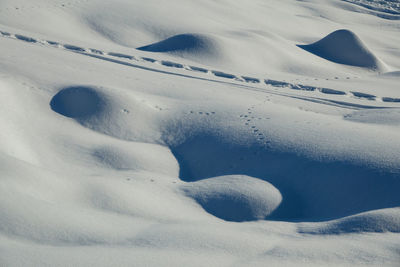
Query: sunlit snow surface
[[199, 133]]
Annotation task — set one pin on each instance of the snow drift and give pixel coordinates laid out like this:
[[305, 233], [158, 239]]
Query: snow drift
[[226, 145]]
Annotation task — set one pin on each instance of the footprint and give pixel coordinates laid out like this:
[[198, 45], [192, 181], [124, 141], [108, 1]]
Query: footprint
[[52, 43], [276, 83], [74, 48], [331, 91], [113, 54], [363, 95], [171, 64], [223, 74], [5, 33], [25, 38], [95, 51], [148, 59], [198, 69], [303, 87], [391, 99], [250, 79]]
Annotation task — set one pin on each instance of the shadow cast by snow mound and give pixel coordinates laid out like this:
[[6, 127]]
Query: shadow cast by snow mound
[[235, 197], [77, 102], [312, 189], [344, 47], [184, 43]]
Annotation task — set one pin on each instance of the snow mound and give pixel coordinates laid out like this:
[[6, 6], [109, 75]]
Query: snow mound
[[235, 197], [385, 220], [344, 47], [184, 43], [77, 102], [105, 111]]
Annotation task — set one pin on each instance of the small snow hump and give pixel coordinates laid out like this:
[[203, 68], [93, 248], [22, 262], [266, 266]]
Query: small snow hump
[[236, 198], [344, 47], [189, 43], [77, 102]]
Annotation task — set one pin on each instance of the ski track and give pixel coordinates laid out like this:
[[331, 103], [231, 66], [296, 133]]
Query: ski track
[[220, 74]]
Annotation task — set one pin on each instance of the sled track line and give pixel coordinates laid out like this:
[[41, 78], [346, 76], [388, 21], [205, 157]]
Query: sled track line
[[237, 80]]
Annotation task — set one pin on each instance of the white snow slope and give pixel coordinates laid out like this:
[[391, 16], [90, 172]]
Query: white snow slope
[[199, 133]]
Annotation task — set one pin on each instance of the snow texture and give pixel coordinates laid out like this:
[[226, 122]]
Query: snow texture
[[199, 133]]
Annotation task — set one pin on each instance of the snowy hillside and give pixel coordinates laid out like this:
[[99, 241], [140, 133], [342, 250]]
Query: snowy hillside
[[199, 133]]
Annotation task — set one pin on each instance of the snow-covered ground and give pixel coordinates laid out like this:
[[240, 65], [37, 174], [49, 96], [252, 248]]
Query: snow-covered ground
[[199, 133]]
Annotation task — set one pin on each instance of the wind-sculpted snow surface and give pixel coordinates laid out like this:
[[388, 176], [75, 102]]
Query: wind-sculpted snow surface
[[218, 142]]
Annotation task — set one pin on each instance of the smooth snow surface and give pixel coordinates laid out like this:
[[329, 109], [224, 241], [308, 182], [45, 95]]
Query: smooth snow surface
[[199, 133]]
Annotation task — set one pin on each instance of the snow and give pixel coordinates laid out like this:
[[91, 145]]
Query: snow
[[193, 133], [235, 198], [344, 47]]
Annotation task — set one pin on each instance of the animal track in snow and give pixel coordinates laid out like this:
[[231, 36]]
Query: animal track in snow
[[207, 113], [250, 122]]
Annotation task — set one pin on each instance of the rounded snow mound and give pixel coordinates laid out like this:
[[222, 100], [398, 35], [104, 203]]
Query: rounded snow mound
[[344, 47], [184, 43], [235, 197], [77, 102]]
